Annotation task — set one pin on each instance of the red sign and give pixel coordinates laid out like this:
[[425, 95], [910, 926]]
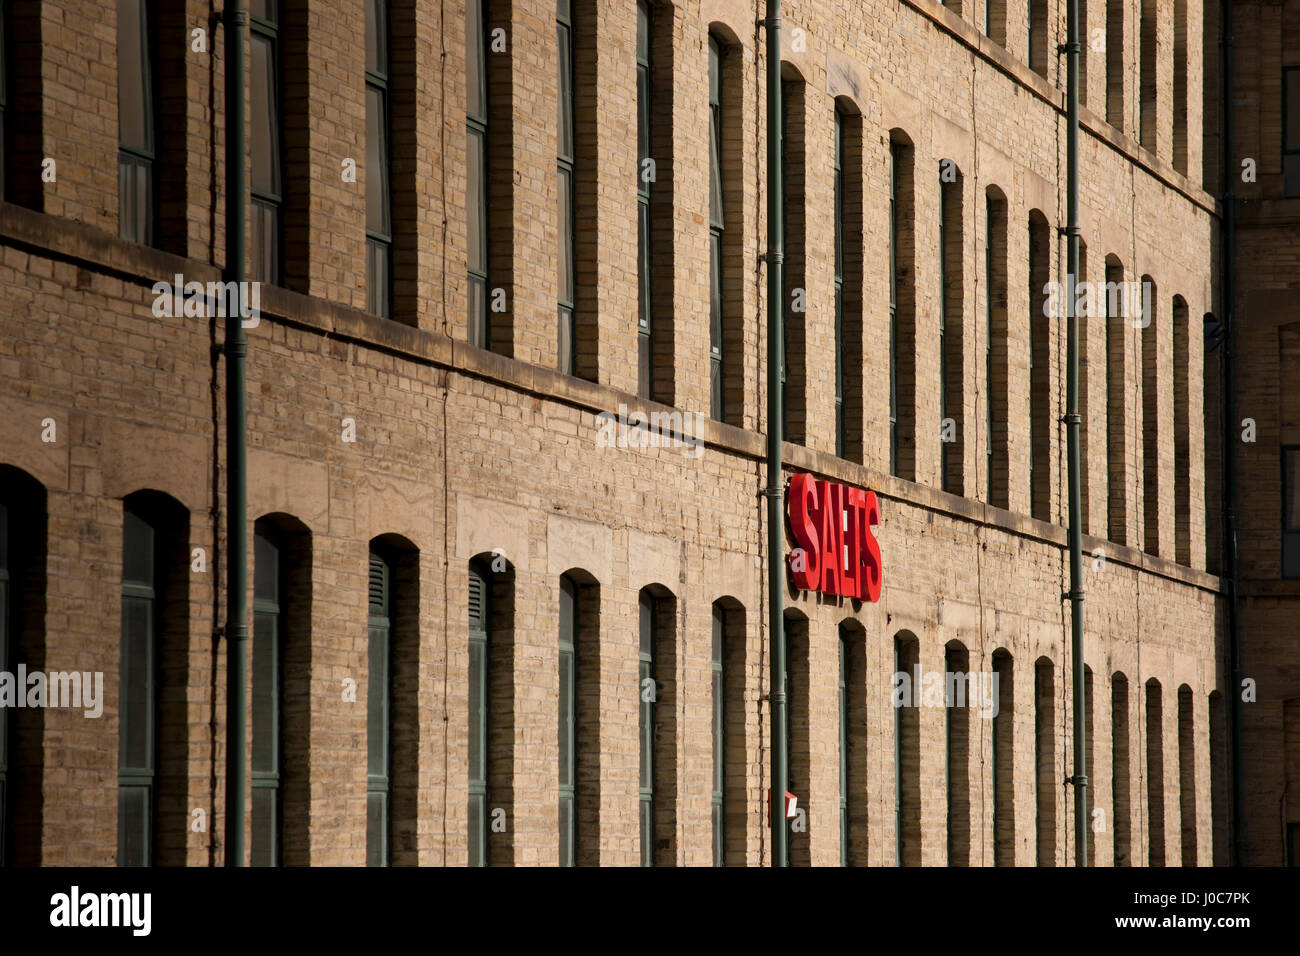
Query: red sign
[[835, 551]]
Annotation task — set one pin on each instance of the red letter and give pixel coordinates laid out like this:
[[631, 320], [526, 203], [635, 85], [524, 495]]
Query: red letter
[[873, 570], [853, 581], [802, 508], [832, 536]]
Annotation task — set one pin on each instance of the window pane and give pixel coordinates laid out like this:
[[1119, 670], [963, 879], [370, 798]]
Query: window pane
[[265, 827], [377, 704], [266, 569], [643, 237], [566, 340], [263, 9], [263, 118], [132, 826], [718, 701], [376, 37], [474, 104], [134, 100], [719, 836], [642, 31], [476, 689], [266, 693], [137, 550], [566, 831], [565, 142], [477, 313], [1291, 487], [566, 718], [134, 193], [263, 242], [376, 162], [378, 268], [715, 167], [715, 293], [646, 728], [137, 684], [647, 833], [643, 124], [376, 829], [477, 850], [565, 225], [1292, 97], [475, 207]]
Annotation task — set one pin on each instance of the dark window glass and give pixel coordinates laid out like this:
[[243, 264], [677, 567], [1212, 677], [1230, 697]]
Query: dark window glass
[[719, 736], [716, 225], [647, 691], [378, 703], [266, 835], [379, 227], [644, 327], [839, 285], [136, 736], [265, 183], [479, 604], [1291, 512], [476, 174], [135, 113], [568, 721], [1291, 131], [5, 664], [893, 309], [567, 340]]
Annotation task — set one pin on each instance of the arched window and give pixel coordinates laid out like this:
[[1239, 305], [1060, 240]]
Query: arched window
[[1114, 301], [480, 608], [1119, 773], [1154, 429], [1148, 121], [657, 655], [794, 369], [568, 720], [1040, 371], [154, 572], [907, 751], [1155, 775], [1004, 760], [719, 722], [854, 831], [798, 726], [1182, 382], [1045, 775], [902, 304], [997, 469], [137, 758], [952, 333], [958, 693], [22, 638], [281, 621], [1187, 774], [379, 759]]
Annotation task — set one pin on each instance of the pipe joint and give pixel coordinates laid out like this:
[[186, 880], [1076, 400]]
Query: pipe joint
[[1074, 594]]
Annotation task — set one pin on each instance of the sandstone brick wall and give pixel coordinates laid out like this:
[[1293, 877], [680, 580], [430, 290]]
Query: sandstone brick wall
[[463, 451]]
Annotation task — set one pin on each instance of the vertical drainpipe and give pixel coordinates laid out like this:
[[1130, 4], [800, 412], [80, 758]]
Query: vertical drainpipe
[[236, 348], [1080, 778], [1230, 440], [775, 486]]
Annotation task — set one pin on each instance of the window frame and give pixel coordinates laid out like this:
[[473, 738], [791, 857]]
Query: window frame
[[943, 331], [718, 672], [1290, 155], [1290, 533], [136, 158], [646, 661], [477, 780], [379, 639], [267, 29], [844, 747], [568, 725], [269, 608], [717, 227], [479, 329], [379, 244], [5, 656], [566, 164], [645, 239], [139, 777], [893, 308], [841, 437]]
